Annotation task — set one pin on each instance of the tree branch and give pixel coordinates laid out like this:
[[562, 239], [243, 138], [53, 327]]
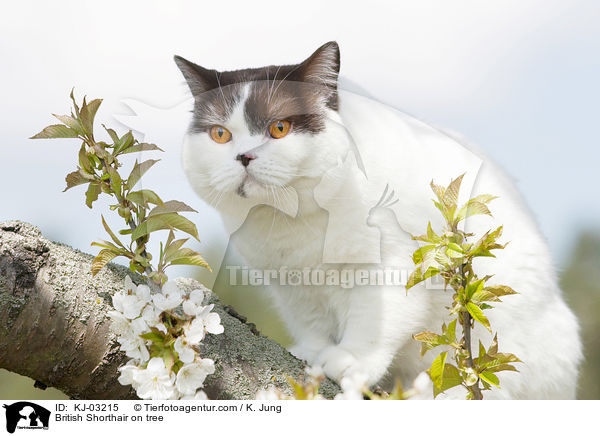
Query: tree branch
[[54, 326]]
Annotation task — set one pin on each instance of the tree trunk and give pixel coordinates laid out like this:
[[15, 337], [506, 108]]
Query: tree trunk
[[54, 326]]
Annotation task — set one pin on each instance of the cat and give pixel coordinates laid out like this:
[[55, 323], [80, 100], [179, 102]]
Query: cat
[[265, 146]]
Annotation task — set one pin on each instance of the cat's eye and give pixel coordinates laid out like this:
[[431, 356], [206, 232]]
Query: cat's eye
[[279, 129], [220, 134]]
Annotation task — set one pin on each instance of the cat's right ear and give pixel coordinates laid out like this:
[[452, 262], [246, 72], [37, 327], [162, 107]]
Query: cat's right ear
[[199, 79]]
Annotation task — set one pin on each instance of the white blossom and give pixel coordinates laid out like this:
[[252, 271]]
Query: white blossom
[[184, 351], [192, 306], [200, 395], [352, 387], [152, 318], [155, 382], [271, 393], [194, 331], [131, 343], [127, 371], [138, 311], [192, 375], [212, 321], [139, 326], [130, 305], [169, 298]]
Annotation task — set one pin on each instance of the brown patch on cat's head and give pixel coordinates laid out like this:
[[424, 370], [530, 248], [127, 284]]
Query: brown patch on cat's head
[[300, 93]]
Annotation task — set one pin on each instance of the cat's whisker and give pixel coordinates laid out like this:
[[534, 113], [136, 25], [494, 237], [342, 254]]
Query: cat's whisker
[[285, 77], [272, 84]]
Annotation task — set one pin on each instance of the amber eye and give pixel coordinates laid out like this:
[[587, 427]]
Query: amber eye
[[279, 129], [220, 134]]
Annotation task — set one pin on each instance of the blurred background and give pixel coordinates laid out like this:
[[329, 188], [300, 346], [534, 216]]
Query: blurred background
[[518, 78]]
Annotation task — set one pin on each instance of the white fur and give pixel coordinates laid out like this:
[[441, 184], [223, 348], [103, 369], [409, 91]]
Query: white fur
[[368, 330]]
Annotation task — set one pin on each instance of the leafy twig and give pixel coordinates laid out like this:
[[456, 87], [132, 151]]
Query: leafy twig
[[450, 255], [142, 210]]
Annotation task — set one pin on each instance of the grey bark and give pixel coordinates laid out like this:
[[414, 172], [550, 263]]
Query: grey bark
[[54, 326]]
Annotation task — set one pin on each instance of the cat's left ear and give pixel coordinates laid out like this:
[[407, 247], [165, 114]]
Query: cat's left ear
[[323, 66], [199, 79]]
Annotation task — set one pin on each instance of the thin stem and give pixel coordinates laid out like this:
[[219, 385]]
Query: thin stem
[[466, 322], [466, 325], [124, 203]]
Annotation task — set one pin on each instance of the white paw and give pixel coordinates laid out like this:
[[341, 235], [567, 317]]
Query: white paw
[[338, 363], [303, 352]]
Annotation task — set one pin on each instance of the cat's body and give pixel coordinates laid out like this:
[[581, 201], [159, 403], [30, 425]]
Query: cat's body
[[276, 196]]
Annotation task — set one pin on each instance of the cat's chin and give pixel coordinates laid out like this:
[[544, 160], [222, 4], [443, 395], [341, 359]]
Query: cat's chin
[[250, 187]]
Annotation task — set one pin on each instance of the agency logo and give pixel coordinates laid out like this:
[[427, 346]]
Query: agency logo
[[26, 415]]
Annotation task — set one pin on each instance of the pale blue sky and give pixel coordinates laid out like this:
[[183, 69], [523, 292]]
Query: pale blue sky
[[518, 78]]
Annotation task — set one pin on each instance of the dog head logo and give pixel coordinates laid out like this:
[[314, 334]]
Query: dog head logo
[[26, 415]]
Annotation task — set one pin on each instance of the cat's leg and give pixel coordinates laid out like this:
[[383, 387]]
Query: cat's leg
[[379, 322], [310, 329]]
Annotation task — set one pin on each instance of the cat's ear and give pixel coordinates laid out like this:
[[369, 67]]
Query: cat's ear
[[198, 78], [323, 66]]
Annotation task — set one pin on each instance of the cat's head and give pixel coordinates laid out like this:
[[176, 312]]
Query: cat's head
[[256, 132]]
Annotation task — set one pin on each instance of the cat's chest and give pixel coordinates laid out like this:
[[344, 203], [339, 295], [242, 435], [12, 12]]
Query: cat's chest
[[270, 238]]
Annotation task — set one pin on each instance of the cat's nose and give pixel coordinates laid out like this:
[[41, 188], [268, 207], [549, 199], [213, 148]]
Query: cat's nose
[[245, 158]]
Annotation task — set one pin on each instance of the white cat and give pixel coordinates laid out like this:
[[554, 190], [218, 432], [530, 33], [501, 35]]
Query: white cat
[[279, 150]]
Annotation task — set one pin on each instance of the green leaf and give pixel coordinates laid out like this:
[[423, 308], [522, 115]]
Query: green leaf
[[56, 131], [429, 341], [443, 375], [70, 122], [165, 221], [436, 372], [451, 193], [437, 190], [186, 256], [87, 114], [478, 315], [110, 232], [84, 160], [418, 254], [431, 237], [484, 295], [474, 287], [170, 206], [451, 334], [173, 247], [430, 273], [142, 146], [489, 377], [143, 197], [102, 259], [74, 179], [105, 244], [430, 260], [74, 102], [500, 290], [113, 135], [139, 169], [472, 207], [92, 193], [415, 278], [115, 180], [123, 143], [93, 108], [486, 243], [155, 337], [454, 251]]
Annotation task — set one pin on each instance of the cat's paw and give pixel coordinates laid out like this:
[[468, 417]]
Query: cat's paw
[[303, 352], [338, 364]]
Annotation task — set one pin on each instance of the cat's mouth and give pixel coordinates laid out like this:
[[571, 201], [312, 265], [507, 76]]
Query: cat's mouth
[[245, 186]]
